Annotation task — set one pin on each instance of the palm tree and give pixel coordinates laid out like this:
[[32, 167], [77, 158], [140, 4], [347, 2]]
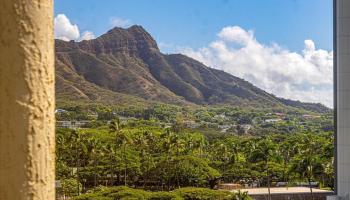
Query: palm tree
[[94, 147], [235, 148], [225, 155], [178, 126], [196, 143], [123, 140], [303, 165], [287, 150], [307, 164], [76, 142], [116, 127], [172, 147], [328, 170], [61, 147], [264, 151], [144, 142], [111, 159]]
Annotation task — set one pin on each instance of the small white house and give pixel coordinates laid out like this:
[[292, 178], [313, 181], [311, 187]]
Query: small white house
[[272, 120]]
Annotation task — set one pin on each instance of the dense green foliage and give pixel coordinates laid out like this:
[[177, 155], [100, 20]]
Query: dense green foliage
[[137, 118], [157, 150], [123, 193]]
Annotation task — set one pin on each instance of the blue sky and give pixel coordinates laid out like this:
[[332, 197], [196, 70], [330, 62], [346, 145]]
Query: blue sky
[[281, 46], [195, 23]]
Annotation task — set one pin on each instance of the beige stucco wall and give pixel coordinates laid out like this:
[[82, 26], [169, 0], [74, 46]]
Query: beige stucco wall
[[26, 100]]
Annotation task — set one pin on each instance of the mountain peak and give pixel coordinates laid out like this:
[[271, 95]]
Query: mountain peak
[[134, 27], [133, 41], [134, 31], [128, 61]]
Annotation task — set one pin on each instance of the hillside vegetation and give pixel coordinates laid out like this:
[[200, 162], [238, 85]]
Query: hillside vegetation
[[125, 66]]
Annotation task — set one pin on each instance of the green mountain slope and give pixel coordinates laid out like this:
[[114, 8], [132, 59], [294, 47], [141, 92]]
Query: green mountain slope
[[125, 66]]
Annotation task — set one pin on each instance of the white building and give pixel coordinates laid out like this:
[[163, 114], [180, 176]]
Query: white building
[[272, 120]]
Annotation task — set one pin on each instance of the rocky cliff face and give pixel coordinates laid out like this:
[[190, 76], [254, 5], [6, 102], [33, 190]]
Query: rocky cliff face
[[127, 63], [134, 41]]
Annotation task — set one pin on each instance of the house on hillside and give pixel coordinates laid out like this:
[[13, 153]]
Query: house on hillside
[[221, 117], [58, 111], [191, 124], [306, 116], [278, 114], [72, 124], [272, 120], [224, 128]]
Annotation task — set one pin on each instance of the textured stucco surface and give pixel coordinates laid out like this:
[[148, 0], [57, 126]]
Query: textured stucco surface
[[26, 100]]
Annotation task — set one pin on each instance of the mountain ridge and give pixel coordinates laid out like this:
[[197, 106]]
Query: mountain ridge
[[127, 64]]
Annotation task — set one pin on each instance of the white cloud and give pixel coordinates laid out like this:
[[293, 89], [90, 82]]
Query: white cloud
[[305, 76], [65, 30], [237, 35], [87, 35], [120, 22]]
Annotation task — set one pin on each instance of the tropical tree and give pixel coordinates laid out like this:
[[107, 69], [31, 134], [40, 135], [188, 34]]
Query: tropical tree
[[307, 164], [95, 151], [144, 141], [76, 146], [264, 151]]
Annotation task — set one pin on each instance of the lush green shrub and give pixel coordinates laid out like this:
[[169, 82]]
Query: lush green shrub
[[126, 193], [115, 193], [69, 187], [203, 194], [94, 196], [165, 196], [241, 196]]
